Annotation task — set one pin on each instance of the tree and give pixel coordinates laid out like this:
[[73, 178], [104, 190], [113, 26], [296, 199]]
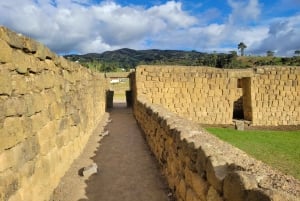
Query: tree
[[242, 46], [270, 53], [297, 52], [233, 53]]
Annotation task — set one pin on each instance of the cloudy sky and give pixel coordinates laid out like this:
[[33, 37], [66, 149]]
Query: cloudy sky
[[83, 26]]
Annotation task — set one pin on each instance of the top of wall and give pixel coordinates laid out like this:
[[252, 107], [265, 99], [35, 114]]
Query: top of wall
[[12, 44], [233, 73]]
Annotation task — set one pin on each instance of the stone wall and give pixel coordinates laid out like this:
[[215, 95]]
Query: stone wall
[[275, 96], [200, 167], [48, 109], [270, 96]]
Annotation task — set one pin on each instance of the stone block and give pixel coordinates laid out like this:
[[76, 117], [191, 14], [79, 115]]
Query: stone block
[[45, 80], [9, 185], [239, 125], [44, 52], [213, 195], [5, 83], [38, 121], [216, 171], [258, 194], [199, 186], [14, 107], [236, 184], [5, 52], [28, 151], [20, 84], [48, 131], [191, 196], [90, 170], [56, 110], [182, 189], [17, 156], [14, 39], [12, 132]]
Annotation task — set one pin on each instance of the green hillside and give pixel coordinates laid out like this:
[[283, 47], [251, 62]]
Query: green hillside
[[126, 59]]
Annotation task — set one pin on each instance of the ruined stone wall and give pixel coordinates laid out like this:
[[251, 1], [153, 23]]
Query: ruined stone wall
[[275, 96], [48, 109], [202, 94], [199, 166], [269, 95]]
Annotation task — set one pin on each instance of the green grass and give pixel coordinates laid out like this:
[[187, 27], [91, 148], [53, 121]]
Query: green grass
[[120, 90], [280, 149]]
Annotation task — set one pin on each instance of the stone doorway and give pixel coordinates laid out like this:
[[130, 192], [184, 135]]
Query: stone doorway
[[242, 106]]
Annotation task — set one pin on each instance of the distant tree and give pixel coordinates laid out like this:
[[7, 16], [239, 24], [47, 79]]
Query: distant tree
[[270, 53], [297, 52], [233, 53], [242, 46]]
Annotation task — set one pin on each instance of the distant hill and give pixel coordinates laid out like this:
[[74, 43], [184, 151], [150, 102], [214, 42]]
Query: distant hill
[[128, 58]]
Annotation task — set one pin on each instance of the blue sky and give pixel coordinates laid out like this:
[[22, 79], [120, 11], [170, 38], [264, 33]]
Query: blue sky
[[83, 26]]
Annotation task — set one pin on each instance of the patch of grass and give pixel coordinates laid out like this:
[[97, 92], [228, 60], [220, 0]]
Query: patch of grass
[[280, 149], [120, 90]]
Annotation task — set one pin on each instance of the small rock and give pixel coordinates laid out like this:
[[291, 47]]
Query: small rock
[[109, 120], [240, 125], [89, 170], [105, 133]]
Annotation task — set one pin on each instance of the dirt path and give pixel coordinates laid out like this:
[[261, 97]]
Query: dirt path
[[127, 170]]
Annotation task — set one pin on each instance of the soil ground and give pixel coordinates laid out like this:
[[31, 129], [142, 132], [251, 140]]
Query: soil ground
[[127, 171]]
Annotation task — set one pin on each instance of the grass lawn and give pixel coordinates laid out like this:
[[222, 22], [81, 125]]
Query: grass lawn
[[120, 90], [280, 149]]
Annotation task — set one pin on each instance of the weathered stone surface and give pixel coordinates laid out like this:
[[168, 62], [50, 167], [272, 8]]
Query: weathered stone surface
[[14, 107], [197, 184], [90, 170], [5, 52], [236, 184], [12, 132], [40, 135], [34, 103], [215, 160], [19, 85], [9, 184], [191, 196], [105, 133], [16, 157], [43, 52], [239, 125], [213, 195], [258, 194], [216, 171], [5, 84], [56, 110], [182, 189]]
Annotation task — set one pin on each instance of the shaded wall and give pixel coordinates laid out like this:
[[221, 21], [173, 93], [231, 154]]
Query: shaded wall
[[199, 166], [48, 109]]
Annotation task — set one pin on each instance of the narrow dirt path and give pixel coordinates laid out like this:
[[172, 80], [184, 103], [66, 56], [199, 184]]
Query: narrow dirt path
[[127, 170]]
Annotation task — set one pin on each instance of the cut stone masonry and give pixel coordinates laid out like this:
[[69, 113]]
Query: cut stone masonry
[[50, 106]]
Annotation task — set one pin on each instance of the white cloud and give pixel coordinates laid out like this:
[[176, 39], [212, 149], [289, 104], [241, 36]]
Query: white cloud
[[66, 25], [282, 37], [244, 11], [80, 26]]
